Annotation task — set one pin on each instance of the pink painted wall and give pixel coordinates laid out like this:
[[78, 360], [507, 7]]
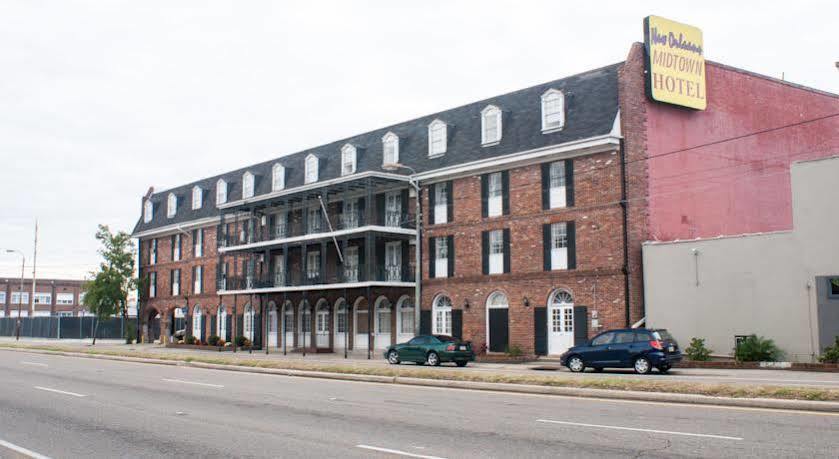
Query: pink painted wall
[[734, 186]]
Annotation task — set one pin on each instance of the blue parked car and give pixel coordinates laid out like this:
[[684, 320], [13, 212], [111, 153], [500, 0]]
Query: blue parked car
[[639, 348]]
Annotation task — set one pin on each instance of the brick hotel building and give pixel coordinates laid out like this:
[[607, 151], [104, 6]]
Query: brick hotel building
[[534, 206]]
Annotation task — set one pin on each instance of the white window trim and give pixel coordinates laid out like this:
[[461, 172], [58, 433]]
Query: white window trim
[[148, 211], [388, 138], [171, 205], [221, 192], [445, 132], [446, 329], [348, 152], [441, 264], [310, 172], [197, 197], [490, 142], [277, 177], [248, 185], [549, 129], [496, 259]]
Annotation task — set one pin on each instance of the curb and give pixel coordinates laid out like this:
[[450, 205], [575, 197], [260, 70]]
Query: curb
[[611, 394]]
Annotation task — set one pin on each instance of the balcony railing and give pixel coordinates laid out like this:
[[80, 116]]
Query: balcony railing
[[333, 275], [251, 231]]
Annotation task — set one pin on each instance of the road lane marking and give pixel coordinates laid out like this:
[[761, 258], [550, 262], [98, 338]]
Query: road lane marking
[[219, 386], [60, 391], [37, 364], [21, 450], [396, 452], [580, 424]]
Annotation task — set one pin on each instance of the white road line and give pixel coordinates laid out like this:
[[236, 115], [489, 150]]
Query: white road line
[[21, 450], [60, 391], [37, 364], [193, 383], [580, 424], [397, 452]]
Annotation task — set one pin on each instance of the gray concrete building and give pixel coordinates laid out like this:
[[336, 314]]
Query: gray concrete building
[[782, 285]]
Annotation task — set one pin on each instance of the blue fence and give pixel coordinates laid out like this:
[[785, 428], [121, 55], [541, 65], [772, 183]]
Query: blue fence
[[64, 327]]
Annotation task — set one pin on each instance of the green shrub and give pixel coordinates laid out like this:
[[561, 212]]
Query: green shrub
[[514, 351], [241, 341], [831, 353], [213, 340], [755, 348], [130, 332], [697, 350], [189, 340]]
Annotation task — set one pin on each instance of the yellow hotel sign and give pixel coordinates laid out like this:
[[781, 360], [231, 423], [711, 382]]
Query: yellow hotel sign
[[675, 63]]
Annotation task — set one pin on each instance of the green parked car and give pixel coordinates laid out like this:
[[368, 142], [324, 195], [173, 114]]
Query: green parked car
[[431, 349]]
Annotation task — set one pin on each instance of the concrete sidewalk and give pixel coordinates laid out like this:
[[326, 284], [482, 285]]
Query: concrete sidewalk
[[738, 377]]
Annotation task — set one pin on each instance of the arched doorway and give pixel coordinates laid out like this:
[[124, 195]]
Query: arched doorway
[[339, 339], [272, 324], [405, 319], [153, 325], [322, 324], [560, 322], [288, 324], [383, 324], [247, 322], [222, 326], [177, 326], [498, 322], [304, 324], [197, 323], [441, 315], [361, 324]]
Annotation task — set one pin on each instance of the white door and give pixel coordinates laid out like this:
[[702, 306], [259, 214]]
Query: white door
[[560, 324], [272, 328], [288, 327], [339, 339], [322, 327], [304, 337]]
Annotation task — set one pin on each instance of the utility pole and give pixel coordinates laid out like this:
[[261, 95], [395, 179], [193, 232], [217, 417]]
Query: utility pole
[[34, 261]]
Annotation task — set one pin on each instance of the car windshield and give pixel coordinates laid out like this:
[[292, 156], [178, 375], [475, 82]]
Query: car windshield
[[662, 335], [446, 339]]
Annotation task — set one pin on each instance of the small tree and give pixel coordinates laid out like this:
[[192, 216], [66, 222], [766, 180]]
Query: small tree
[[107, 293]]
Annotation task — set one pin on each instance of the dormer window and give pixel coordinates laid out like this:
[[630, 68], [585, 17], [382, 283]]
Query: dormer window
[[171, 205], [277, 177], [221, 192], [311, 169], [390, 147], [553, 110], [490, 125], [437, 138], [348, 157], [247, 185], [197, 197], [148, 211]]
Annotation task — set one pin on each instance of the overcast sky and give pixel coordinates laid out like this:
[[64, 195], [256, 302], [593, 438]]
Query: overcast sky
[[101, 99]]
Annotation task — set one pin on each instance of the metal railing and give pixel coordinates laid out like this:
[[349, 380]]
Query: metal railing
[[333, 275]]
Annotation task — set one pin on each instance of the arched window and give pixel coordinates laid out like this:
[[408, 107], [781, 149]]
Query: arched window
[[221, 322], [390, 148], [247, 185], [148, 211], [498, 300], [288, 321], [221, 192], [311, 169], [171, 205], [277, 177], [196, 321], [407, 322], [341, 316], [553, 110], [248, 322], [197, 197], [561, 312], [562, 298], [442, 315], [490, 125], [383, 315], [305, 318], [348, 159], [437, 139]]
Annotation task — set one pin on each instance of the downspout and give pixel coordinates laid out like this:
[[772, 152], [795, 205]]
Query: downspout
[[625, 210]]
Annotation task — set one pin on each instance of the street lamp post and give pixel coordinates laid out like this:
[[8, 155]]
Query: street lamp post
[[20, 290], [412, 179]]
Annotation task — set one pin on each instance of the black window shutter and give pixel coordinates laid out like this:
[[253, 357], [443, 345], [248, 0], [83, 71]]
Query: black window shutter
[[485, 252], [404, 209], [181, 247], [172, 251], [540, 331], [457, 323], [240, 326], [213, 326], [450, 201], [257, 330], [362, 260], [380, 209], [572, 245], [380, 255], [171, 282], [405, 263], [580, 325], [450, 246], [484, 196], [361, 207], [569, 182], [506, 250], [546, 186], [546, 247], [505, 190], [425, 322], [432, 258], [431, 202]]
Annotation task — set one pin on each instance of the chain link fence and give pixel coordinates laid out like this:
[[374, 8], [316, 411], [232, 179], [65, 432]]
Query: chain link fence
[[64, 327]]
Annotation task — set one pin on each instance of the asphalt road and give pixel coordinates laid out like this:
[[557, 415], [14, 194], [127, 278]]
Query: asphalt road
[[74, 407]]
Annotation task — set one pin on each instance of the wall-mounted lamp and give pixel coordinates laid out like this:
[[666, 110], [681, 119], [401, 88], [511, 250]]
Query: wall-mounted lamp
[[466, 304], [526, 302]]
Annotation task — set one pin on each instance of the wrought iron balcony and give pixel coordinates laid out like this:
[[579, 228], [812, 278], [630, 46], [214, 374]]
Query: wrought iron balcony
[[333, 275]]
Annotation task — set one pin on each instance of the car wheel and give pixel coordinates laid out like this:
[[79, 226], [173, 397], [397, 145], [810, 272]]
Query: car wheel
[[664, 368], [432, 359], [598, 369], [461, 363], [642, 365], [576, 364], [393, 357]]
